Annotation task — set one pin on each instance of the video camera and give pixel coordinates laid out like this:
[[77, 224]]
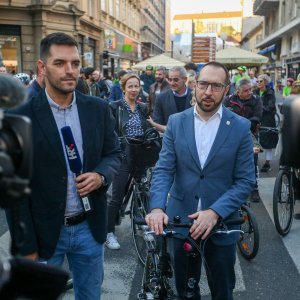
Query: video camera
[[20, 277]]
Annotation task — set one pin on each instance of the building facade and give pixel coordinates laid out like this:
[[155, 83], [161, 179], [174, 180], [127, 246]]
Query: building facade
[[153, 27], [281, 38], [111, 33]]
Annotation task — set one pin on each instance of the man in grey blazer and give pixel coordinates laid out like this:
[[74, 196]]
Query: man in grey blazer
[[175, 100], [205, 171]]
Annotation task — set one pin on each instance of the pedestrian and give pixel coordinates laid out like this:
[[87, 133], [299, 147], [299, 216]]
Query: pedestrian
[[37, 84], [116, 92], [174, 100], [57, 224], [92, 83], [131, 122], [148, 78], [82, 85], [288, 88], [267, 139], [205, 170], [249, 106], [161, 85]]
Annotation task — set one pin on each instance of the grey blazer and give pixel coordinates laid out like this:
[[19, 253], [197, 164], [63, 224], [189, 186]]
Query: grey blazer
[[165, 106]]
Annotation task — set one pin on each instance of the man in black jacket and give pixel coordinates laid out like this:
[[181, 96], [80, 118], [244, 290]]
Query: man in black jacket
[[57, 223], [247, 105]]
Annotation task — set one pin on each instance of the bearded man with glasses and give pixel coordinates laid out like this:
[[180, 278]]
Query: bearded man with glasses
[[204, 173]]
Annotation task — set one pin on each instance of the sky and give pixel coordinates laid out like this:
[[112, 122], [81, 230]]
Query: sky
[[197, 6]]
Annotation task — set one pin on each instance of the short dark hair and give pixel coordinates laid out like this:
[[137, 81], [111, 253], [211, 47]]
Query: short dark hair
[[56, 38], [216, 64], [121, 73], [190, 66], [88, 71]]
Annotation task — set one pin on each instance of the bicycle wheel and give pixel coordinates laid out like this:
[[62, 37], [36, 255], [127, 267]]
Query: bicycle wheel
[[283, 202], [249, 241], [142, 241], [277, 120]]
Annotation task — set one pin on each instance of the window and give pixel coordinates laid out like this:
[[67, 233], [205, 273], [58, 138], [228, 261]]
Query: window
[[103, 5], [10, 48], [111, 7], [118, 9]]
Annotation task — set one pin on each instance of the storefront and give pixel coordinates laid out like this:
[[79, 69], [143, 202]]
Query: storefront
[[10, 48], [293, 66], [120, 52]]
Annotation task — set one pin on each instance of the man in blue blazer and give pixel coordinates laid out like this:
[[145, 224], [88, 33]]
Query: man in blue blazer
[[56, 222], [204, 173], [175, 100]]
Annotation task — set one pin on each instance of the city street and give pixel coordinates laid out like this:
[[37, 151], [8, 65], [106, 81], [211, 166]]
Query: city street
[[273, 274]]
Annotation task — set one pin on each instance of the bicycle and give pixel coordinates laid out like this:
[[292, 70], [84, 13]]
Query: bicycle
[[248, 243], [285, 192], [138, 188], [158, 269]]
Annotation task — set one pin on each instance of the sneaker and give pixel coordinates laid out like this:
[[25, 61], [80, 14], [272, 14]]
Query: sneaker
[[255, 197], [112, 242], [265, 168]]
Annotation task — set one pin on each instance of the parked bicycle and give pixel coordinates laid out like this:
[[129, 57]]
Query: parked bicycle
[[286, 191], [158, 271]]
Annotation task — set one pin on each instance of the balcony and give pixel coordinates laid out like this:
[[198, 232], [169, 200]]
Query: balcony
[[263, 7]]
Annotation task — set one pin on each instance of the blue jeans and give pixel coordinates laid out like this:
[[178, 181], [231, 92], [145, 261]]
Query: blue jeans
[[85, 257]]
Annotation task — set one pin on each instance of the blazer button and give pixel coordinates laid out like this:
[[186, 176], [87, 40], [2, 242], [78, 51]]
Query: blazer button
[[202, 176]]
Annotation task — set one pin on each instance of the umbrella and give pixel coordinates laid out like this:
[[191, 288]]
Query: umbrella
[[234, 57], [158, 60]]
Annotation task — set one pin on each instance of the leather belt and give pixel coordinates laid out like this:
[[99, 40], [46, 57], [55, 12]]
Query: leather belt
[[74, 220]]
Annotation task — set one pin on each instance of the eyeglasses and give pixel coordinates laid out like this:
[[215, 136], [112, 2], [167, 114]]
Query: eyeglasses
[[174, 79], [215, 86]]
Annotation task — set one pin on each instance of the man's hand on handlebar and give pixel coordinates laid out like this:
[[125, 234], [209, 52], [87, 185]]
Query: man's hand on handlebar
[[204, 222], [156, 220]]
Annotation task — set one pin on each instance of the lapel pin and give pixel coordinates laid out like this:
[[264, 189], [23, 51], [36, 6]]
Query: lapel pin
[[228, 123]]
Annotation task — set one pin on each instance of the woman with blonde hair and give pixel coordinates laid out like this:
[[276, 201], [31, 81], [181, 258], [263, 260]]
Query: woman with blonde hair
[[267, 139]]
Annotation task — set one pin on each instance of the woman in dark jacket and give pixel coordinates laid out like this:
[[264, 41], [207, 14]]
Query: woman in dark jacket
[[267, 139], [131, 121]]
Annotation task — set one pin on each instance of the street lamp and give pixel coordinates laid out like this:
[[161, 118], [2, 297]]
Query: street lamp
[[223, 36], [172, 38]]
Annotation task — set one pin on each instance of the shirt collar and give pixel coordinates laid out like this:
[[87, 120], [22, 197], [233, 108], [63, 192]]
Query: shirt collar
[[218, 114], [55, 105], [177, 95]]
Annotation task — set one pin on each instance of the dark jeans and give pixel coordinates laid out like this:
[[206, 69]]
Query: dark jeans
[[219, 265], [118, 192]]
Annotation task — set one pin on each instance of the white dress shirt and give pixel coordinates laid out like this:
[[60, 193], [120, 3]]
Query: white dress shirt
[[205, 134]]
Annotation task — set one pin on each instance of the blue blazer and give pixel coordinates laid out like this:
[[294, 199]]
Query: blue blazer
[[223, 183], [43, 212]]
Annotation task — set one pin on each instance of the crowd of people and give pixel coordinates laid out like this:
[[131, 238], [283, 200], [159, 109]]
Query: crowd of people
[[206, 170]]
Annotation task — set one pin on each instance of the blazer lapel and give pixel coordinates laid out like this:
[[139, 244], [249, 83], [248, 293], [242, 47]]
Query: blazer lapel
[[189, 134], [223, 131], [171, 105], [86, 118], [48, 125]]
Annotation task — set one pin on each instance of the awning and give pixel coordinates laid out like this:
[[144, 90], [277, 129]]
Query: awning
[[267, 49]]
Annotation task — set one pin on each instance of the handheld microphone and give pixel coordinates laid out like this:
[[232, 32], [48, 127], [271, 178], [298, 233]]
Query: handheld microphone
[[74, 159]]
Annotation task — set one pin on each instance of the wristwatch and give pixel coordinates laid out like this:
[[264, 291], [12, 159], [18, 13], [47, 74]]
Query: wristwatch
[[103, 180]]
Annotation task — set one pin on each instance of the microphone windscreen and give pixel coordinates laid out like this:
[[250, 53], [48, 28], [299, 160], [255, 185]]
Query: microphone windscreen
[[34, 280], [71, 150]]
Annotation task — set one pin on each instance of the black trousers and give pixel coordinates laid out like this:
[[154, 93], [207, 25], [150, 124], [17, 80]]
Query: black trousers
[[219, 265]]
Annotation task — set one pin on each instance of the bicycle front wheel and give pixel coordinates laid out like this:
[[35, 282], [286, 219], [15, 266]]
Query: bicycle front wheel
[[249, 241], [142, 241], [283, 202]]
